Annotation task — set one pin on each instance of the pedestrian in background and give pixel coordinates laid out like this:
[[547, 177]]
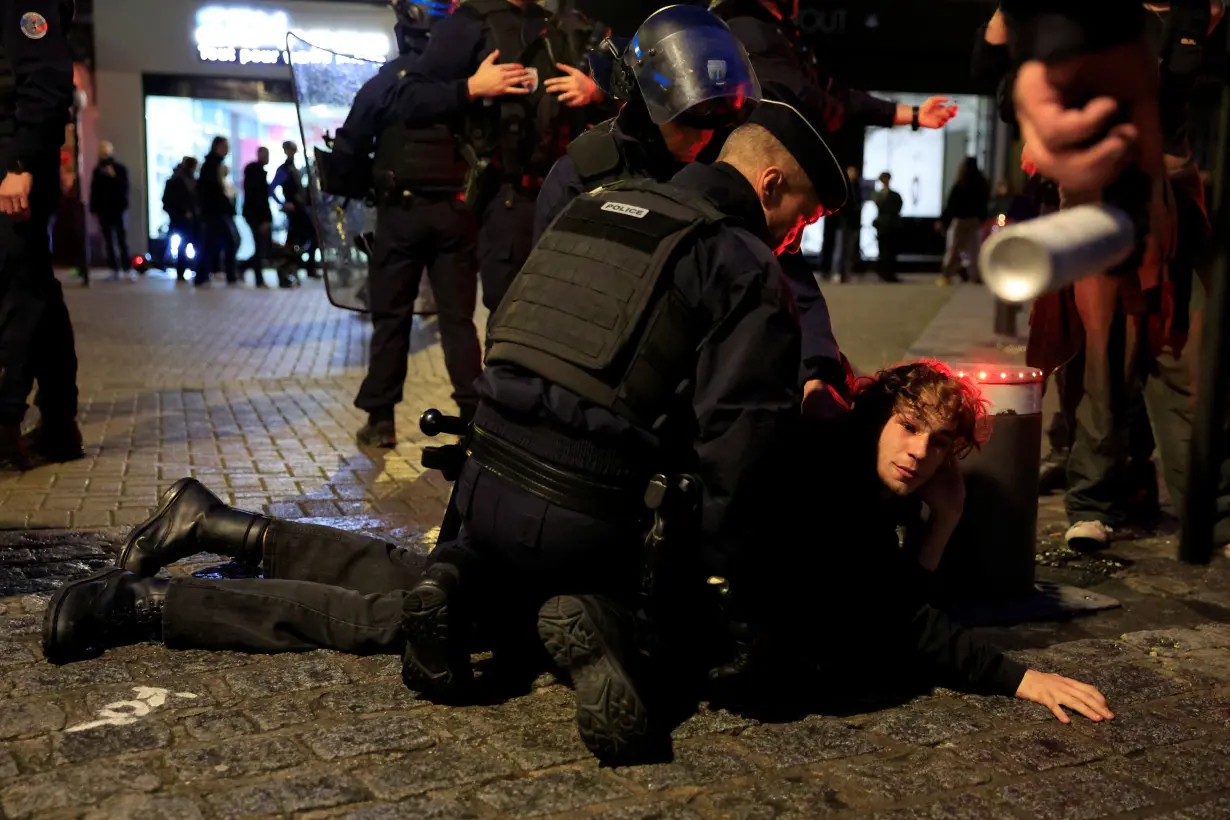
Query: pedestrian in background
[[108, 203]]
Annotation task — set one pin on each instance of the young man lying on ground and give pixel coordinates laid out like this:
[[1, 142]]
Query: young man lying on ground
[[328, 589]]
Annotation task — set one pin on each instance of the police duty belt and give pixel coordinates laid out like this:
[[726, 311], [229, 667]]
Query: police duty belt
[[555, 485]]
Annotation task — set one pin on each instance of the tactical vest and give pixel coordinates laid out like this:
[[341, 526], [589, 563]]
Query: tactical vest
[[521, 135], [8, 94], [422, 160], [597, 159], [592, 312]]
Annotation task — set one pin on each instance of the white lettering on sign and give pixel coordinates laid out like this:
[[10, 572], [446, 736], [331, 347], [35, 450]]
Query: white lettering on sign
[[124, 712], [816, 21], [250, 36], [626, 210]]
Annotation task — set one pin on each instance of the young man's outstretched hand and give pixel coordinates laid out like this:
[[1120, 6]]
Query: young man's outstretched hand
[[1056, 691]]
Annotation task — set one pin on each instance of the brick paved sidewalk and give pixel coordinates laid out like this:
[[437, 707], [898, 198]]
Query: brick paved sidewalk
[[251, 391]]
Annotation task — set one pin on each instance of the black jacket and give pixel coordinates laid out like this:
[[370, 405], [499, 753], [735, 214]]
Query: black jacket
[[109, 189], [256, 194], [212, 201], [179, 196]]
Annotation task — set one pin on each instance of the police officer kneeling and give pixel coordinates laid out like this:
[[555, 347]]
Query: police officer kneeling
[[649, 332]]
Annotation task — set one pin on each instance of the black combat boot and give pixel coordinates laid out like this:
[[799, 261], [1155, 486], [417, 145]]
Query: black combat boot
[[436, 663], [191, 519], [109, 608], [54, 441], [13, 456], [379, 431], [593, 639]]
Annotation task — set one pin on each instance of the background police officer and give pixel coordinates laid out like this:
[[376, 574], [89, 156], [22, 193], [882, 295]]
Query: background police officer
[[514, 117], [421, 222], [670, 346], [36, 335]]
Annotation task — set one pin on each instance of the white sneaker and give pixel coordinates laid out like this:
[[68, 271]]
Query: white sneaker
[[1087, 536]]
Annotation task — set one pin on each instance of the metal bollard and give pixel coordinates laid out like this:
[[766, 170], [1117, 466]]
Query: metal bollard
[[991, 555]]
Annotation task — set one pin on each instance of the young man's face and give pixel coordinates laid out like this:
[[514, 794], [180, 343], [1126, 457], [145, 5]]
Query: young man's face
[[911, 450]]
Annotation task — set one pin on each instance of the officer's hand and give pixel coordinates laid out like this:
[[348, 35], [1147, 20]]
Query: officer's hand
[[821, 401], [575, 88], [936, 112], [1079, 148], [15, 195], [1056, 691], [492, 80]]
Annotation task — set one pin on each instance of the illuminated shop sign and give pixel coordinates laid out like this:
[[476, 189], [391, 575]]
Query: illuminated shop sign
[[250, 36]]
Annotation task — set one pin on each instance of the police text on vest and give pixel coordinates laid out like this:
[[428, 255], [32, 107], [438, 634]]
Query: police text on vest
[[626, 210]]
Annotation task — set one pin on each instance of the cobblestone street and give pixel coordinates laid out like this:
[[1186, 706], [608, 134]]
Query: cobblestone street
[[251, 392]]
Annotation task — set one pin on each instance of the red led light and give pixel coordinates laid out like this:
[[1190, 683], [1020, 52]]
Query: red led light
[[1006, 377]]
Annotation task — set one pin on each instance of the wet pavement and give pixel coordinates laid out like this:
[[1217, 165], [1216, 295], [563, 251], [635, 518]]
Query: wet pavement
[[146, 732]]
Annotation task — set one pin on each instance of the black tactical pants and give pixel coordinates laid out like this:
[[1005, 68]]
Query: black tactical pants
[[262, 238], [115, 240], [438, 235], [219, 244], [322, 589], [505, 239], [515, 550], [36, 335]]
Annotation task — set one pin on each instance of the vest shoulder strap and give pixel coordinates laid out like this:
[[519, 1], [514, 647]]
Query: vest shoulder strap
[[596, 156]]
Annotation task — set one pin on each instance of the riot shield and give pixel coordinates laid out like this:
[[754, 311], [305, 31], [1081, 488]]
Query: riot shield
[[325, 84]]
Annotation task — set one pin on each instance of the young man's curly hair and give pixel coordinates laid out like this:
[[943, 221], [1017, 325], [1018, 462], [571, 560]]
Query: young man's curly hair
[[929, 391]]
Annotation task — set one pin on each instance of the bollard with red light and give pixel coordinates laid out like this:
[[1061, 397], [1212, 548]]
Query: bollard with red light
[[988, 572]]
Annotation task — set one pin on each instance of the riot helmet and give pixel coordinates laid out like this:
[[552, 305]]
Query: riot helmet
[[415, 19], [685, 64]]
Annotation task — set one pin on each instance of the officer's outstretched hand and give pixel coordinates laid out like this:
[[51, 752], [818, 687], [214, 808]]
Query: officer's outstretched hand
[[575, 88], [936, 112], [1056, 691], [496, 80], [15, 195]]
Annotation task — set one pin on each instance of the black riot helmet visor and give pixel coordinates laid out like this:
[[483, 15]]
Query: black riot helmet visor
[[685, 60]]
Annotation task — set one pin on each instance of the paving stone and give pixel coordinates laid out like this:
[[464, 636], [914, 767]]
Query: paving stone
[[540, 747], [282, 797], [1175, 642], [298, 673], [789, 744], [8, 764], [1124, 684], [76, 786], [420, 808], [170, 664], [959, 807], [20, 627], [276, 712], [1074, 794], [697, 763], [926, 723], [103, 697], [1032, 750], [1187, 770], [1006, 711], [656, 811], [791, 798], [1217, 809], [553, 792], [383, 696], [442, 767], [43, 678], [106, 741], [706, 722], [384, 734], [913, 775], [238, 757], [29, 718], [217, 725], [147, 807], [1134, 729]]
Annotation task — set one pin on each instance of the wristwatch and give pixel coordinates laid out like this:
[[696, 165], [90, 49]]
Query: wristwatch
[[915, 124]]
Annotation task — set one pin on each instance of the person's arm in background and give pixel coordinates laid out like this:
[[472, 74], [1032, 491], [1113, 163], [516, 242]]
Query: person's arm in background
[[279, 179], [43, 80]]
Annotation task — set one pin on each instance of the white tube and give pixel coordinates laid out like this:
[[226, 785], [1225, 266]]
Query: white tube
[[1028, 259]]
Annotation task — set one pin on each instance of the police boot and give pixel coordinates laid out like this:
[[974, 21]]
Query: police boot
[[13, 455], [55, 441], [380, 431], [1053, 473], [436, 662], [593, 639], [109, 608], [191, 519]]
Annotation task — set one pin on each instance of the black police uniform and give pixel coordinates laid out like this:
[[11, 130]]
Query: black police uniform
[[650, 331], [36, 335], [418, 177], [515, 138]]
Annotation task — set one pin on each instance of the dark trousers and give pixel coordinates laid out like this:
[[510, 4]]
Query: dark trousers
[[322, 589], [300, 244], [847, 255], [115, 238], [438, 235], [513, 543], [505, 239], [36, 334], [219, 248], [262, 236], [886, 265], [186, 230]]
